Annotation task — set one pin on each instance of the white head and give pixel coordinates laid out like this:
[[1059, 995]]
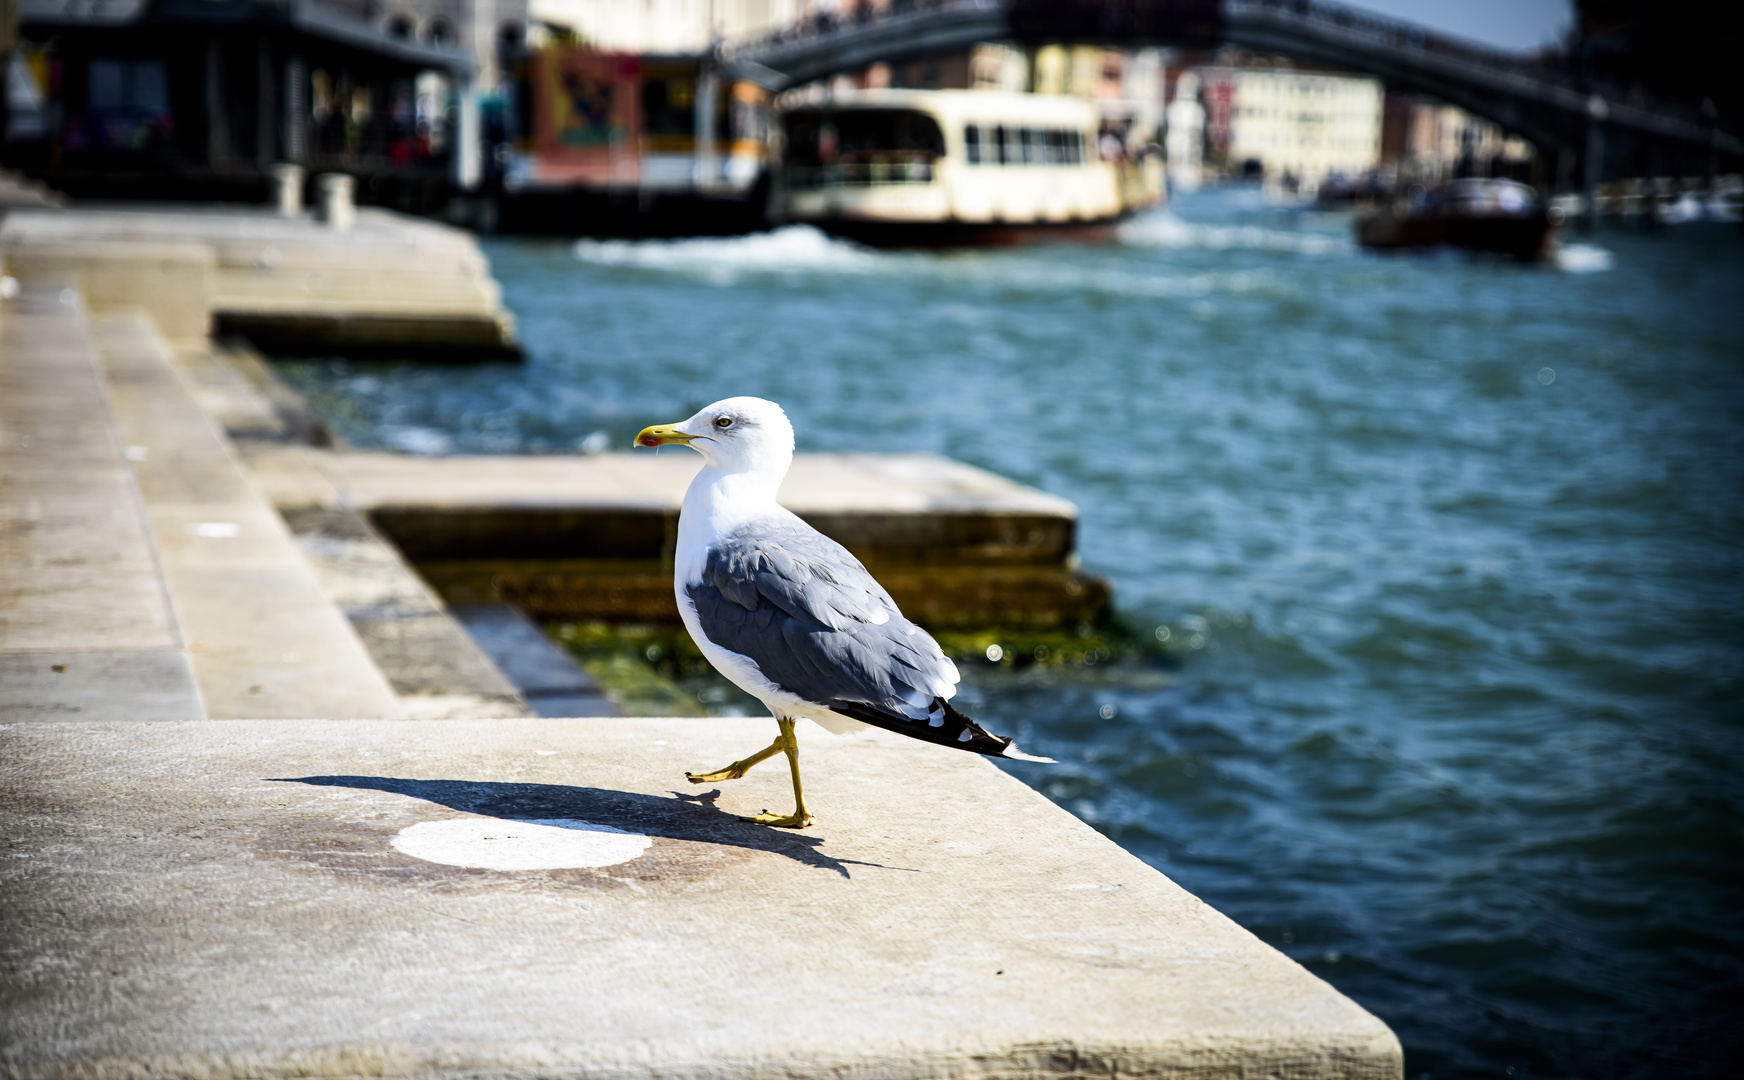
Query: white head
[[738, 435]]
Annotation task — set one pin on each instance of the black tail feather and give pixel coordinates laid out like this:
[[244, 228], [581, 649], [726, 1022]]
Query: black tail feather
[[954, 730]]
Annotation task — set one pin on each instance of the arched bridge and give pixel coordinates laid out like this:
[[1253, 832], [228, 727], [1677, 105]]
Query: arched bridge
[[1551, 108]]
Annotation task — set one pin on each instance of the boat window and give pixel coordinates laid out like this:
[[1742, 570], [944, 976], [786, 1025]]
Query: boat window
[[1057, 147], [991, 144], [861, 146]]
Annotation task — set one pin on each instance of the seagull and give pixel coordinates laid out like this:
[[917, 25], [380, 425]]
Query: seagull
[[788, 615]]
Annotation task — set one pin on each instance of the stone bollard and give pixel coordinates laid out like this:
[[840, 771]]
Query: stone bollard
[[336, 207], [288, 189]]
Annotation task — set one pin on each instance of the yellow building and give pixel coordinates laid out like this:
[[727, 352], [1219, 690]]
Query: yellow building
[[1305, 125]]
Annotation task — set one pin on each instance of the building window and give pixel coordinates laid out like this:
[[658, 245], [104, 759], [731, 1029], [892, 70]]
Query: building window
[[127, 107]]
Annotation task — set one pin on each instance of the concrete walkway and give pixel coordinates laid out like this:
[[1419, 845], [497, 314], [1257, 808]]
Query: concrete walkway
[[86, 626], [263, 640], [530, 898]]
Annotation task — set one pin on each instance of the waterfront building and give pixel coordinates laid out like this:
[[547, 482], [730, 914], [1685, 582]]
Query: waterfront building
[[205, 99], [492, 32], [1302, 127], [1424, 141], [664, 26]]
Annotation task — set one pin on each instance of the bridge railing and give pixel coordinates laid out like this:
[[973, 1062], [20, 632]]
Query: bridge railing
[[1330, 21], [807, 47], [1380, 30], [1375, 29], [823, 24]]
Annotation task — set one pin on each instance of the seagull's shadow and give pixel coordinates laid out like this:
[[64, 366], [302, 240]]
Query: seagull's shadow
[[692, 817]]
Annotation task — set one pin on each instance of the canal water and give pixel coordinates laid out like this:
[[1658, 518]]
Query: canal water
[[1449, 554]]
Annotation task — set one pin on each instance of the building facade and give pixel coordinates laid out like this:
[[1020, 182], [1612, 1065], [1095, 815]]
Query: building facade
[[204, 98], [1424, 141], [1303, 127], [665, 26]]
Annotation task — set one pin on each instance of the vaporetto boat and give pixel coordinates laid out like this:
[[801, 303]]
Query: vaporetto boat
[[926, 167]]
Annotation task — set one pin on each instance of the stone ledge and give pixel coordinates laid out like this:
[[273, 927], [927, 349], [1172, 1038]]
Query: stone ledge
[[226, 899], [393, 283]]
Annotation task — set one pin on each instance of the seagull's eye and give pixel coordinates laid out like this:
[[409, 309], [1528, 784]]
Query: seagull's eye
[[724, 422]]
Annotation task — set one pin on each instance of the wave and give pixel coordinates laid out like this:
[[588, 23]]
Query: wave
[[788, 250], [796, 251], [1164, 230], [1582, 259]]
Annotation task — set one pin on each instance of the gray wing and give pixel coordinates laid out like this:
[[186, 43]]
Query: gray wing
[[815, 622]]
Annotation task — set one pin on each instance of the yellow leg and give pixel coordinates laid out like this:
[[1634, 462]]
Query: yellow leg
[[738, 768], [801, 817]]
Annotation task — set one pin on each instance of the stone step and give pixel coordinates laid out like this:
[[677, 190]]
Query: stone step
[[435, 667], [263, 639], [549, 679], [590, 536]]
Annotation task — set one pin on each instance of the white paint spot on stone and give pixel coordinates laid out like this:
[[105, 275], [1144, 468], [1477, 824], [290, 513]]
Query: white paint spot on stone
[[215, 530], [544, 753], [499, 844]]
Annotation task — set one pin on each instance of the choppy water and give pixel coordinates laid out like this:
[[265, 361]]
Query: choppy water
[[1461, 542]]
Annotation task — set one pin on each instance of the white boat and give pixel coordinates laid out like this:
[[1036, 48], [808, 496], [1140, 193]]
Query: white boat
[[947, 167]]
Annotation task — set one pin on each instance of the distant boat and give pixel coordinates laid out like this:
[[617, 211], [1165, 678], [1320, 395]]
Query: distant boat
[[1342, 192], [1501, 216], [954, 167]]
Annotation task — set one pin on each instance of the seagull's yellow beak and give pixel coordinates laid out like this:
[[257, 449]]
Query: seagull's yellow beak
[[663, 435]]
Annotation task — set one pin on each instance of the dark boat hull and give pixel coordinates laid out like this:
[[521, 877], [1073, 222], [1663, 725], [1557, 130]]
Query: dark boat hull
[[951, 234], [1527, 237]]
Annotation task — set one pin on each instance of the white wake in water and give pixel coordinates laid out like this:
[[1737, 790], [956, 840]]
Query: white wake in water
[[793, 249], [1165, 230], [1582, 259], [795, 252]]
